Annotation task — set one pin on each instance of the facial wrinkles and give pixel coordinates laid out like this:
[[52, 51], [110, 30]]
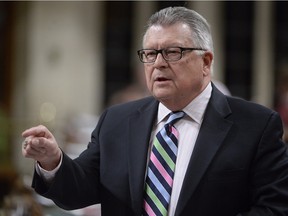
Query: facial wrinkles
[[182, 81]]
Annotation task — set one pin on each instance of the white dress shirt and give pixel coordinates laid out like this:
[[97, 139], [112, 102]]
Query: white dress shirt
[[188, 128]]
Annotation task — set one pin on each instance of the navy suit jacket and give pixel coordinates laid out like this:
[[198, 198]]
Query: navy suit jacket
[[238, 167]]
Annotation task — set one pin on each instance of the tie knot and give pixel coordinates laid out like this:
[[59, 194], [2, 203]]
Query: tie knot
[[174, 117]]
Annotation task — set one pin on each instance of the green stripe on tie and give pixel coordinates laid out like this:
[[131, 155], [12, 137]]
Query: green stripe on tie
[[156, 200], [164, 154]]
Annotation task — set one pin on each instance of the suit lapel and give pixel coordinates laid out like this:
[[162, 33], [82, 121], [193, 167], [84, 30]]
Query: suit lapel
[[140, 126], [211, 135]]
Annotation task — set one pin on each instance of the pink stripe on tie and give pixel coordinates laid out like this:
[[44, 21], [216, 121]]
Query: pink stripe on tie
[[148, 209], [161, 169], [175, 132]]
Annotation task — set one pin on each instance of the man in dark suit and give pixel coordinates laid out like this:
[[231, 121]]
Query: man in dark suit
[[230, 161]]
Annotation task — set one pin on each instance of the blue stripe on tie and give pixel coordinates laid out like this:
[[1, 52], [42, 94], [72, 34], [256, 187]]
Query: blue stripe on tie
[[160, 177], [175, 116], [158, 185], [166, 147], [173, 138], [170, 142], [152, 205], [163, 162], [157, 190], [157, 193]]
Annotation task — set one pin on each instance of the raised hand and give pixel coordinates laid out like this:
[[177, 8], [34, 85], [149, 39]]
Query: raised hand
[[40, 145]]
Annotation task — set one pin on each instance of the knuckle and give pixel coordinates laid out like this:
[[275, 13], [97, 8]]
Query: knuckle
[[42, 127]]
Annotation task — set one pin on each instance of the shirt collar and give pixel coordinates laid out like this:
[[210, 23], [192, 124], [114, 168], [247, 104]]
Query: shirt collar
[[195, 109]]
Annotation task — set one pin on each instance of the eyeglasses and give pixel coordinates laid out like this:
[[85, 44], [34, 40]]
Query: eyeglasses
[[169, 54]]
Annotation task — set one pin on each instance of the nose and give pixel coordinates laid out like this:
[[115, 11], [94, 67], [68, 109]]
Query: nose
[[160, 61]]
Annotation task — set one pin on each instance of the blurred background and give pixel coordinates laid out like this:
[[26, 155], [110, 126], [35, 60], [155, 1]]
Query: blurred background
[[62, 63]]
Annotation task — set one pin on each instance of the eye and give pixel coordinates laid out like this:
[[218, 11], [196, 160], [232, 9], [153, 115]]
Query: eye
[[172, 51], [150, 53]]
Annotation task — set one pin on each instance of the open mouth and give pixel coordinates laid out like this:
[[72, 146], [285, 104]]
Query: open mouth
[[161, 79]]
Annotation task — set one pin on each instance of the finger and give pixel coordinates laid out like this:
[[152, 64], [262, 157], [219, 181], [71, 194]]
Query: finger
[[33, 152], [38, 149], [26, 142], [31, 132], [34, 155], [28, 151], [38, 131], [33, 144], [40, 143]]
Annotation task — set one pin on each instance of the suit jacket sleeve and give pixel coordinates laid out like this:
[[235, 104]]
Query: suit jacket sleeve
[[269, 194], [116, 178], [76, 183]]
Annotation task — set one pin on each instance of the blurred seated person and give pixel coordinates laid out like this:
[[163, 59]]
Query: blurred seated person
[[16, 198]]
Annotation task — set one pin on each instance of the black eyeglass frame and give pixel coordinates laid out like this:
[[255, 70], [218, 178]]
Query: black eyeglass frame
[[182, 49]]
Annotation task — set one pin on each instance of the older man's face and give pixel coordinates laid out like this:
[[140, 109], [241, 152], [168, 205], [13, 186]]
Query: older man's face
[[175, 83]]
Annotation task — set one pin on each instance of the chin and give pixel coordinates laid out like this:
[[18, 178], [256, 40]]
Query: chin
[[167, 101], [162, 96], [163, 93]]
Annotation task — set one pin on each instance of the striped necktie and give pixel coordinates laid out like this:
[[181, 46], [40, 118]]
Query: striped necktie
[[161, 167]]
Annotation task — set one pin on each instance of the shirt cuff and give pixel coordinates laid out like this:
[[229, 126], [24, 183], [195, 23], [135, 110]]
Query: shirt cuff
[[46, 175]]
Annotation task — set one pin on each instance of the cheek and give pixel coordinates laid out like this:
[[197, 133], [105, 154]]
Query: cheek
[[188, 78], [148, 77], [192, 71]]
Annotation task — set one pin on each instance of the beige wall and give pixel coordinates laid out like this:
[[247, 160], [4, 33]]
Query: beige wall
[[60, 73], [58, 60], [263, 68]]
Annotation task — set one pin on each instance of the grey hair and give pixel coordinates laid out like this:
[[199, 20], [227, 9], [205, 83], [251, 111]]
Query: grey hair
[[200, 28]]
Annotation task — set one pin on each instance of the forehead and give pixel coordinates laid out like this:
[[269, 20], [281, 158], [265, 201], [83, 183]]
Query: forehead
[[178, 34]]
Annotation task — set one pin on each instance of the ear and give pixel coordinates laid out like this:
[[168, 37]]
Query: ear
[[207, 62]]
